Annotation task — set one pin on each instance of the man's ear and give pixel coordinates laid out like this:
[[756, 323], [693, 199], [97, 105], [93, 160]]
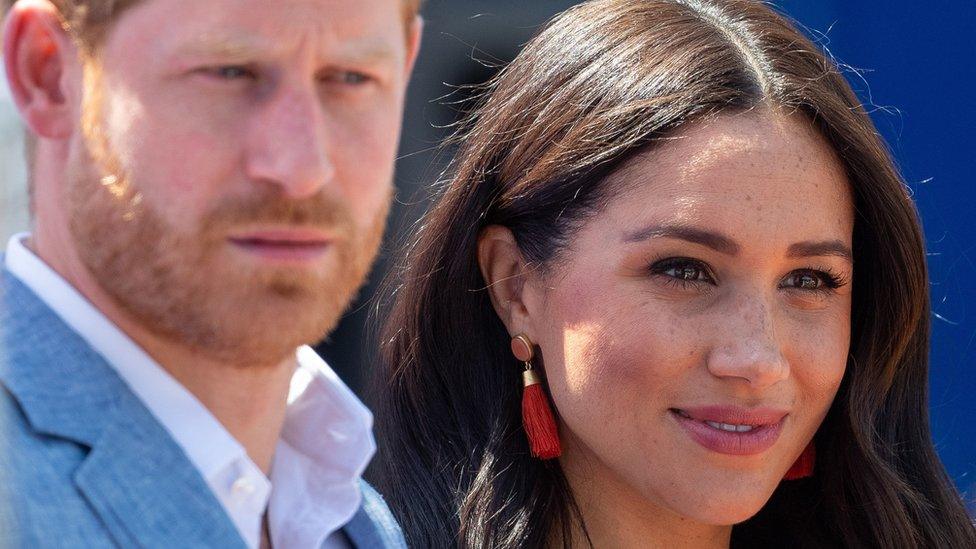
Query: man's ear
[[505, 274], [37, 53]]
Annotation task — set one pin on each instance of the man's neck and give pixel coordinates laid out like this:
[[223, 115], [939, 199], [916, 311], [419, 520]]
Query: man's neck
[[249, 402]]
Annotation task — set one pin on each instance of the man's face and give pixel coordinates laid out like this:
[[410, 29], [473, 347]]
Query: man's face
[[232, 173]]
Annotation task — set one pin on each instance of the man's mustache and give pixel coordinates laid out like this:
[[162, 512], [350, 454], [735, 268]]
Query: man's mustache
[[319, 210]]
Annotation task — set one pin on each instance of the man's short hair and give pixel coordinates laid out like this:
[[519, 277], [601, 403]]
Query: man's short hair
[[88, 20]]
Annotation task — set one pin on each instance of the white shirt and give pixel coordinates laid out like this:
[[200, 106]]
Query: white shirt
[[325, 444]]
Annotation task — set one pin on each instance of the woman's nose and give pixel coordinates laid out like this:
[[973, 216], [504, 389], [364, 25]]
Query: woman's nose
[[747, 346]]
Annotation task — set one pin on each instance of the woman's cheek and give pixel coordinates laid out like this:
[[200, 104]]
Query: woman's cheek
[[610, 351], [819, 358], [612, 375]]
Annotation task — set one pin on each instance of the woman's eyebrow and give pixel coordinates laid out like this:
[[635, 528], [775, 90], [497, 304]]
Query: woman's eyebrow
[[823, 248], [714, 240], [725, 245]]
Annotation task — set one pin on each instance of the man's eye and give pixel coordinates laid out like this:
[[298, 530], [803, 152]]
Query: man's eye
[[232, 72], [347, 78], [354, 78]]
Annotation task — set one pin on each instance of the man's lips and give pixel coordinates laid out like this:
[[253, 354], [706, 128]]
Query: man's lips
[[731, 430], [283, 244]]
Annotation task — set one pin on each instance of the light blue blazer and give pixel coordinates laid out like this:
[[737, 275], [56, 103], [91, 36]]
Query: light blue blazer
[[83, 463]]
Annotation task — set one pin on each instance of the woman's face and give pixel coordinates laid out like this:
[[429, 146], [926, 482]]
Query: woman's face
[[696, 330]]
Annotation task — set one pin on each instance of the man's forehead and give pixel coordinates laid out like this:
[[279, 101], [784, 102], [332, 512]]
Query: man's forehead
[[229, 44], [367, 28]]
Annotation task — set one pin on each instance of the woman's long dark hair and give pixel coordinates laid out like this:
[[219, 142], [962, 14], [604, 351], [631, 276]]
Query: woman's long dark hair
[[602, 81]]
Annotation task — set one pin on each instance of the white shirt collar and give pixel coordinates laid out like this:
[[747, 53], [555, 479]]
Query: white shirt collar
[[325, 444]]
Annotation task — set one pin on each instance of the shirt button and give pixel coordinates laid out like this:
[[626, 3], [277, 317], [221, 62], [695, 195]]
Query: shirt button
[[242, 487], [339, 434]]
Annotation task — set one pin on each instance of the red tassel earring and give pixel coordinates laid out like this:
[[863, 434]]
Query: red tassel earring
[[537, 418], [803, 466]]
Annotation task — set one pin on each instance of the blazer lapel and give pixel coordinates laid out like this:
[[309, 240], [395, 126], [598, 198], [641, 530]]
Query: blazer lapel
[[146, 491], [136, 478]]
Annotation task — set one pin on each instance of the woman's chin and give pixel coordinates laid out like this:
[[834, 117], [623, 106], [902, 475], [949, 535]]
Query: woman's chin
[[729, 515], [720, 507]]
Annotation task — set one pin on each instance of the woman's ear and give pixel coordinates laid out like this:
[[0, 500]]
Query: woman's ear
[[504, 271], [37, 53]]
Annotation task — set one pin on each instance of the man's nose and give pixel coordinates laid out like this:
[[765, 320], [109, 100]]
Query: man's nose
[[288, 145], [747, 347]]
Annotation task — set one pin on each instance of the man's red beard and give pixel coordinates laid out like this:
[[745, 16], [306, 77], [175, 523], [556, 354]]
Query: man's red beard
[[192, 289]]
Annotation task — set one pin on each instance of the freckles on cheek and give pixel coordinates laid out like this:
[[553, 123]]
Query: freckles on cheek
[[820, 359]]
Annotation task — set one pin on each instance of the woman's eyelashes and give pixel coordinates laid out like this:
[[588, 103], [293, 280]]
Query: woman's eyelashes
[[688, 273], [822, 281], [682, 272]]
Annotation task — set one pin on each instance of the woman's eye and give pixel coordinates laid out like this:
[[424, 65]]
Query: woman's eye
[[682, 270], [815, 281], [686, 272], [808, 282]]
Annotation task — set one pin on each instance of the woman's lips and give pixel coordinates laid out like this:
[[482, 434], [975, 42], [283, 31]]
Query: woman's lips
[[731, 430]]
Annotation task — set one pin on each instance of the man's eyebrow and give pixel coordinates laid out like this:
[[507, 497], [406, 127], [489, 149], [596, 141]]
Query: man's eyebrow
[[242, 47], [716, 241], [367, 52], [221, 46]]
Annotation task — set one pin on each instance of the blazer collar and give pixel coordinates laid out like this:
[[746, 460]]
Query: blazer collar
[[135, 476], [374, 525]]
